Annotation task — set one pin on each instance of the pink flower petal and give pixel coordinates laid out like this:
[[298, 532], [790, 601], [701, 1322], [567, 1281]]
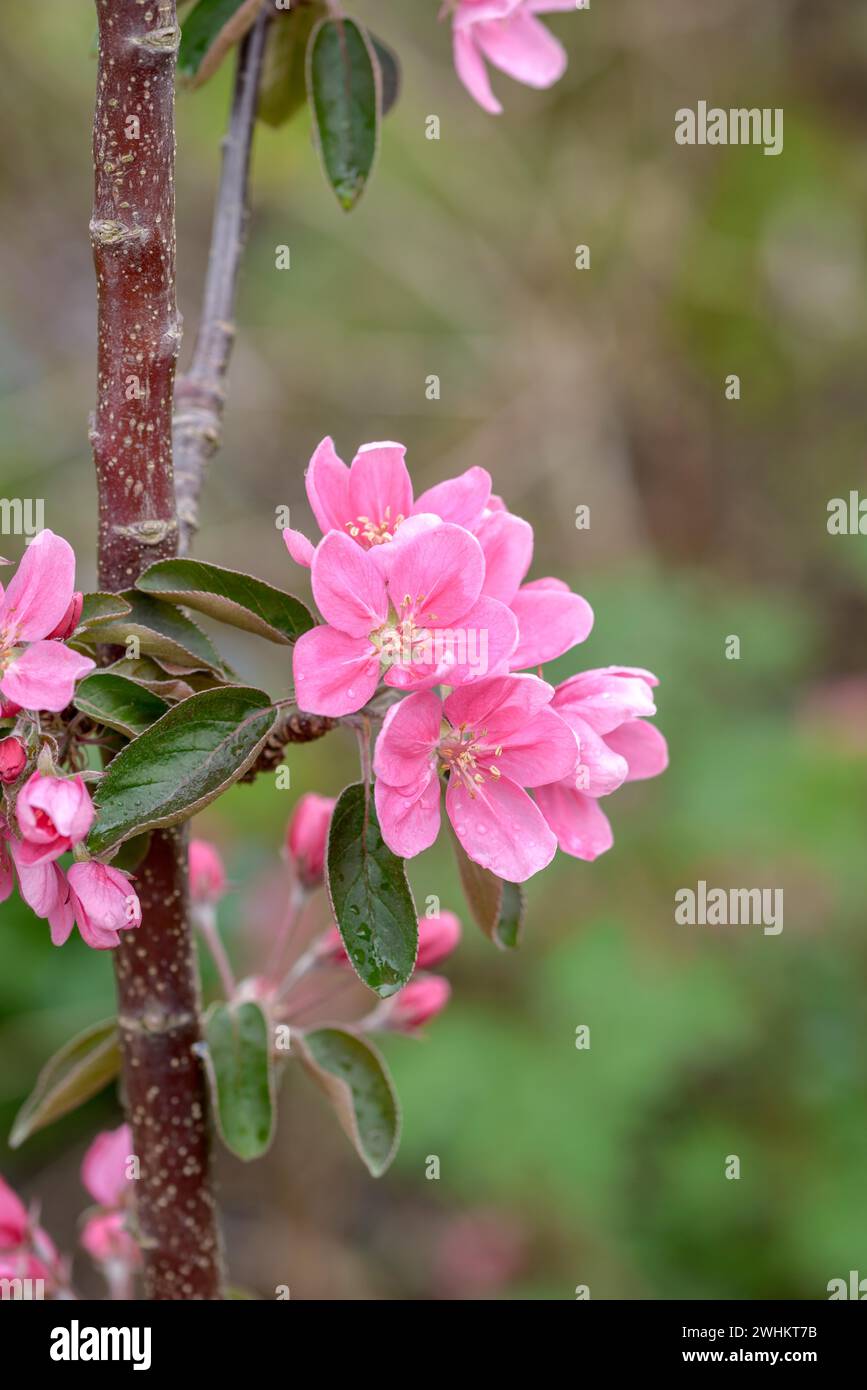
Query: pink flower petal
[[643, 747], [40, 592], [347, 586], [470, 68], [440, 573], [409, 818], [550, 622], [103, 1168], [380, 490], [606, 698], [13, 1217], [502, 705], [476, 648], [299, 547], [542, 750], [327, 481], [43, 677], [405, 748], [461, 500], [334, 674], [601, 770], [581, 827], [524, 49], [474, 11], [507, 544], [500, 828]]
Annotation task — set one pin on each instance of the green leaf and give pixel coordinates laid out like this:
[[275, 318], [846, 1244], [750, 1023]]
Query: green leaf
[[229, 596], [370, 895], [354, 1077], [118, 703], [209, 32], [496, 904], [181, 763], [81, 1068], [161, 631], [389, 68], [283, 88], [147, 673], [239, 1063], [99, 608], [343, 82]]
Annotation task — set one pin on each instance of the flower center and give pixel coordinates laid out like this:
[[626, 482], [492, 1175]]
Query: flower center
[[369, 532], [468, 756], [404, 639]]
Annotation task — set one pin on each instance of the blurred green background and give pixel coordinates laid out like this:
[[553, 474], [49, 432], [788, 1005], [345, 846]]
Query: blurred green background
[[604, 388]]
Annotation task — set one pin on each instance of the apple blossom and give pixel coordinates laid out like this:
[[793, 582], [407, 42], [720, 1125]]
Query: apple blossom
[[13, 759], [416, 1004], [437, 938], [26, 1250], [37, 672], [53, 814], [307, 837], [607, 711], [427, 622], [372, 498], [104, 1174], [104, 903], [492, 740], [507, 34], [45, 889], [207, 873]]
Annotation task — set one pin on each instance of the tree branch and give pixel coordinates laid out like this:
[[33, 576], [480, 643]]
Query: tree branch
[[200, 394], [133, 234]]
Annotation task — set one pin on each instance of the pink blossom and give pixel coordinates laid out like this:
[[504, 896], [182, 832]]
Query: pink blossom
[[70, 620], [107, 1241], [104, 903], [492, 739], [607, 711], [7, 877], [36, 672], [437, 938], [307, 837], [416, 1004], [104, 1174], [13, 759], [207, 873], [426, 622], [103, 1168], [551, 619], [26, 1251], [44, 888], [507, 34], [53, 814], [14, 1221], [372, 498]]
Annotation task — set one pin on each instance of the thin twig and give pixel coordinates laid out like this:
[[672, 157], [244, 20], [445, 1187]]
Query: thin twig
[[200, 393]]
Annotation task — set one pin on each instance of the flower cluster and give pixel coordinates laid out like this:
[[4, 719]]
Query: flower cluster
[[27, 1252], [426, 600], [45, 814]]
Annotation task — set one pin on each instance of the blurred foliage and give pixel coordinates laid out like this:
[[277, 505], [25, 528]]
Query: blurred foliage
[[605, 388]]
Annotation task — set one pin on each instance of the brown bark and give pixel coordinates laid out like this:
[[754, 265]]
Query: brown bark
[[133, 231]]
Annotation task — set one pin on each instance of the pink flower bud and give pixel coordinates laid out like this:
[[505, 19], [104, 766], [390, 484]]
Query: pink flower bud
[[54, 813], [13, 759], [103, 1168], [107, 1241], [307, 837], [207, 874], [437, 938], [418, 1002], [8, 708], [104, 903], [70, 620]]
